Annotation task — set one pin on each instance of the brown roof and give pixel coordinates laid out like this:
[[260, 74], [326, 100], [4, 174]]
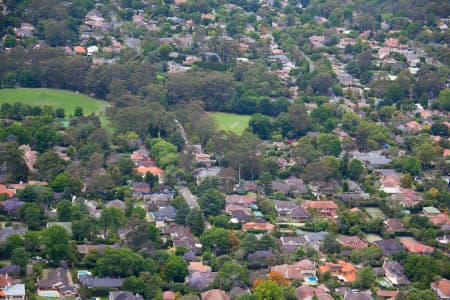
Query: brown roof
[[416, 247], [443, 286], [197, 266], [320, 204], [215, 295], [258, 226], [353, 242], [168, 295]]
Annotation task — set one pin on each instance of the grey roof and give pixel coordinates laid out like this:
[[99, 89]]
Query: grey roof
[[102, 282], [374, 158], [15, 290], [121, 295], [349, 295], [388, 247], [8, 231], [164, 213]]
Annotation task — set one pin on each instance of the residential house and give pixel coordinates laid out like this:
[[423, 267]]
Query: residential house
[[5, 281], [346, 197], [440, 219], [387, 294], [348, 294], [13, 292], [413, 126], [100, 282], [372, 159], [25, 30], [10, 230], [394, 273], [116, 203], [430, 211], [168, 295], [152, 170], [165, 214], [442, 288], [414, 246], [121, 295], [289, 243], [200, 280], [240, 200], [182, 237], [198, 266], [394, 225], [298, 270], [140, 188], [215, 295], [58, 280], [389, 247], [327, 209], [267, 227], [154, 201], [408, 197], [8, 191], [344, 271], [353, 242], [202, 173], [239, 216], [305, 292], [79, 50]]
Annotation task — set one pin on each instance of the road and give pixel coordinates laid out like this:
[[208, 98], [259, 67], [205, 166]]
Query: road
[[188, 196]]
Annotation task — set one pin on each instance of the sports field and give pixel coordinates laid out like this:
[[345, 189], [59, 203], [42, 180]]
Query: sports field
[[231, 122], [55, 98]]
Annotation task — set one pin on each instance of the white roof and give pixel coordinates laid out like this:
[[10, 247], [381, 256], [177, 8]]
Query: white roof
[[15, 290]]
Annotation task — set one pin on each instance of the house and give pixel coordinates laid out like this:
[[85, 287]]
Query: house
[[348, 294], [200, 280], [10, 230], [305, 292], [344, 271], [293, 243], [100, 282], [58, 280], [152, 170], [120, 295], [5, 281], [258, 226], [215, 295], [413, 126], [239, 216], [442, 288], [5, 190], [197, 266], [79, 50], [140, 188], [155, 201], [327, 209], [116, 203], [353, 242], [92, 50], [165, 214], [13, 292], [371, 159], [394, 225], [168, 295], [291, 210], [203, 158], [182, 237], [430, 211], [298, 270], [394, 273], [389, 247], [414, 246], [240, 200], [387, 294], [440, 219], [202, 173]]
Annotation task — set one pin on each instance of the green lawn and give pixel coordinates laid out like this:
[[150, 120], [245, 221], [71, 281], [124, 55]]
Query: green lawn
[[231, 122], [55, 98], [375, 212]]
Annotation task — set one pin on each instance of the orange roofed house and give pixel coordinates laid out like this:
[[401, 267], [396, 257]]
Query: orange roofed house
[[416, 247], [9, 192], [442, 288], [258, 226], [79, 50], [327, 209], [344, 271], [152, 170]]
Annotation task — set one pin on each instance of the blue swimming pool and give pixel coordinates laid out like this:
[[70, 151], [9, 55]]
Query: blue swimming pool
[[312, 279], [50, 294]]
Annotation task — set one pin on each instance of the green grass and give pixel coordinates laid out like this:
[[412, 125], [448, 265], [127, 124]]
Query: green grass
[[231, 122], [375, 212], [55, 98]]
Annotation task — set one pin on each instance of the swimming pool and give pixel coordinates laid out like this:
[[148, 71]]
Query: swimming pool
[[49, 294], [82, 273], [312, 279]]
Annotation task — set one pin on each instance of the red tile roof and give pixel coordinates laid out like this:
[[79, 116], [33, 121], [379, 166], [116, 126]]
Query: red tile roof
[[443, 286], [416, 247]]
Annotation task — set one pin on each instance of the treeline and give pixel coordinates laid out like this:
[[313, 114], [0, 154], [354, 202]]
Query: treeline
[[246, 90]]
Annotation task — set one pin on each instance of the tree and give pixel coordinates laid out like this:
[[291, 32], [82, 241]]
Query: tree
[[56, 244], [230, 274], [215, 240], [278, 278], [439, 129], [112, 218], [419, 294], [444, 99], [33, 215], [65, 210], [212, 201], [44, 138], [329, 144], [84, 229], [176, 269], [299, 118], [78, 112], [365, 278], [330, 244], [12, 158], [421, 269], [268, 290], [121, 262], [261, 125], [195, 221], [321, 83], [355, 169], [20, 257], [49, 165]]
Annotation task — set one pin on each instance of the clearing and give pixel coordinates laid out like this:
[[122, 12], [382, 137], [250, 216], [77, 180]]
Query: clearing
[[231, 122], [55, 98], [375, 212]]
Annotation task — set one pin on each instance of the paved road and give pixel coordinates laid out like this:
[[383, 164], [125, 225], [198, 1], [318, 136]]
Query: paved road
[[188, 196]]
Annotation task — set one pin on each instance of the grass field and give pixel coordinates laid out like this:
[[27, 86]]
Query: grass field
[[55, 98], [375, 212], [231, 122]]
